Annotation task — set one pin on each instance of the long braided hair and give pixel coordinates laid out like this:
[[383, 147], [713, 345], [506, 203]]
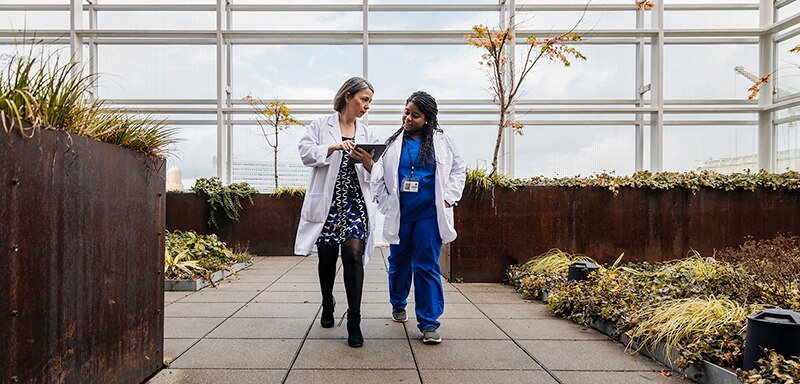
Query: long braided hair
[[427, 105]]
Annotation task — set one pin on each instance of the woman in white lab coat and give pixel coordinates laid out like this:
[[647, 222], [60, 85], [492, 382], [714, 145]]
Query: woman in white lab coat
[[417, 182], [337, 212]]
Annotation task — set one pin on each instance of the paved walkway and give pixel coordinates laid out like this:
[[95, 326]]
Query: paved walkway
[[263, 328]]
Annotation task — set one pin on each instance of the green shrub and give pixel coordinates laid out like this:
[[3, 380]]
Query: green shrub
[[200, 255], [226, 198]]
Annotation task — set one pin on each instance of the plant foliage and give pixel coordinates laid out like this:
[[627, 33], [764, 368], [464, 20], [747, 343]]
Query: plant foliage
[[42, 91], [190, 255], [692, 181], [225, 198]]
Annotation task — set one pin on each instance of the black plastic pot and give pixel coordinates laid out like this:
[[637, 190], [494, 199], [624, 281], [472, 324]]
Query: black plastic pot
[[580, 270], [776, 329]]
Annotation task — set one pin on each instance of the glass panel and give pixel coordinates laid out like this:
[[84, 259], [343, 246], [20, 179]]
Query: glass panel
[[444, 71], [574, 150], [717, 148], [546, 20], [30, 20], [196, 153], [788, 11], [156, 71], [710, 19], [293, 21], [253, 158], [293, 72], [607, 73], [787, 68], [451, 20], [787, 145], [708, 71], [175, 20]]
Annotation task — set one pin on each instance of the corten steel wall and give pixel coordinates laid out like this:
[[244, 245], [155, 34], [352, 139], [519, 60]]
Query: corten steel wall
[[267, 227], [81, 293], [645, 224]]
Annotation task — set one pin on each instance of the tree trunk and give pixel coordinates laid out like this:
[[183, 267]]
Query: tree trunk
[[499, 140], [275, 152]]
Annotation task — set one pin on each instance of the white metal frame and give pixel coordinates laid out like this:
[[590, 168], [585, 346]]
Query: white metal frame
[[229, 113]]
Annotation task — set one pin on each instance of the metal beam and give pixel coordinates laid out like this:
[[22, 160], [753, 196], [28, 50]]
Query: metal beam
[[766, 64]]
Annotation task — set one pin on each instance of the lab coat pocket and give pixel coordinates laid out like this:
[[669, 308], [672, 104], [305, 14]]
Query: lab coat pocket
[[314, 208]]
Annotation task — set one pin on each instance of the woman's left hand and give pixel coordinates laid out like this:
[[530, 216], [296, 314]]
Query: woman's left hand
[[364, 157]]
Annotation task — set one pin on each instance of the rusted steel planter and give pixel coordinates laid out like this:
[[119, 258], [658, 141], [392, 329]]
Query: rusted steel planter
[[650, 225], [267, 227], [81, 296]]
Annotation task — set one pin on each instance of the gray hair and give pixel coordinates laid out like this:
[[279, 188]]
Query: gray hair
[[351, 86]]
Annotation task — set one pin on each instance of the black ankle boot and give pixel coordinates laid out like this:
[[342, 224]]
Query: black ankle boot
[[326, 320], [354, 337]]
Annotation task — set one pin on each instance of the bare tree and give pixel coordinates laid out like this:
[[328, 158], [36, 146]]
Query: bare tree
[[275, 115]]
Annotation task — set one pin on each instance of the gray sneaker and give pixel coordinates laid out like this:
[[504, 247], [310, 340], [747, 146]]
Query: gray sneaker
[[399, 315], [431, 336]]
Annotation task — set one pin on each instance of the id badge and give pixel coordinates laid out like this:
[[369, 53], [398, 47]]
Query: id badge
[[410, 184]]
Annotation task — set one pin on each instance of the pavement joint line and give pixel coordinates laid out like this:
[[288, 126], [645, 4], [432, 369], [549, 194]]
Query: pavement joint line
[[513, 340], [226, 318]]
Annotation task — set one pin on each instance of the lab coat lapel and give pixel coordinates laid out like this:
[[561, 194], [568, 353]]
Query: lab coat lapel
[[334, 129]]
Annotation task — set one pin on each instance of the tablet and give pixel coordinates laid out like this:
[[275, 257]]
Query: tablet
[[379, 148]]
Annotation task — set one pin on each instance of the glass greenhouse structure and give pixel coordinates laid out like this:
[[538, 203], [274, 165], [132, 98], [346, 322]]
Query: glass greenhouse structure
[[661, 89]]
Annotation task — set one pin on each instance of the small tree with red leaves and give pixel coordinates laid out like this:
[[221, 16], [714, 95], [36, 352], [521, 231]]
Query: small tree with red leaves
[[495, 59]]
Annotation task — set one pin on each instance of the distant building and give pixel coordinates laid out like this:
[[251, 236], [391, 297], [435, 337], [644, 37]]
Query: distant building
[[260, 174], [786, 159]]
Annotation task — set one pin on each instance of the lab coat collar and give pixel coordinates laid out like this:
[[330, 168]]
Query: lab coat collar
[[336, 132]]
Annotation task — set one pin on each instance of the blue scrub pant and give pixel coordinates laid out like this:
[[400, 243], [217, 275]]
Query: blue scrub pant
[[418, 255]]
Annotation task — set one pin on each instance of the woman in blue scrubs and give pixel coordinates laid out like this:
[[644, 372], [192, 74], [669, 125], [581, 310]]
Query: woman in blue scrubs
[[417, 182]]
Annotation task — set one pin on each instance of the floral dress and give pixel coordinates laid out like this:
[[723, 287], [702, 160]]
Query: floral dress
[[347, 217]]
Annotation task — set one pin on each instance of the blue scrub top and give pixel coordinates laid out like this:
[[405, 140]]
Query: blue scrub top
[[422, 204]]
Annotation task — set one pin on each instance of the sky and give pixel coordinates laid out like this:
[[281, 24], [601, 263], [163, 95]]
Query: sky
[[315, 72]]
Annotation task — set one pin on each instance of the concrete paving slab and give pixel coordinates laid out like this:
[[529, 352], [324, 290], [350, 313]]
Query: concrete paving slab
[[252, 278], [219, 297], [288, 297], [516, 311], [336, 354], [348, 376], [467, 329], [547, 329], [237, 286], [170, 297], [201, 310], [371, 328], [375, 297], [482, 377], [288, 310], [494, 297], [295, 278], [189, 327], [175, 347], [483, 287], [293, 287], [372, 310], [586, 355], [593, 377], [218, 376], [262, 328], [239, 353], [471, 354]]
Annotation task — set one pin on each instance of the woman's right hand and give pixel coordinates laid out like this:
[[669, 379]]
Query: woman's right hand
[[346, 145]]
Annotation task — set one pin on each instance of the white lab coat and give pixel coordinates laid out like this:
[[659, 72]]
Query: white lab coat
[[313, 147], [450, 178]]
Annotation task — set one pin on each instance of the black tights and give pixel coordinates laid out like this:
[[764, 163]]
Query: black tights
[[352, 253]]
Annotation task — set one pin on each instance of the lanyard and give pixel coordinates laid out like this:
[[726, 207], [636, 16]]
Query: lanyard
[[413, 162]]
